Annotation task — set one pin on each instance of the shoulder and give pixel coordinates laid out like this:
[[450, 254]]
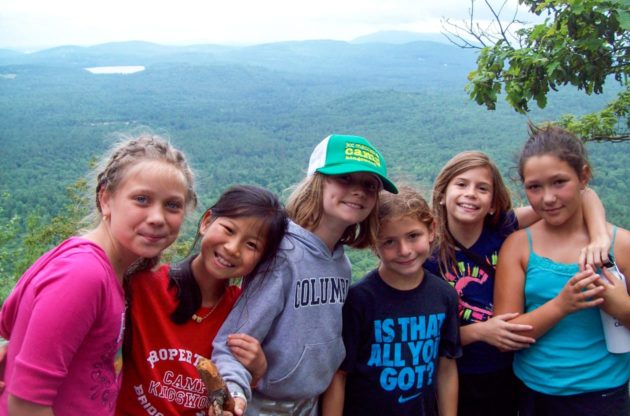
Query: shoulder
[[436, 283], [515, 249], [85, 263], [150, 278], [516, 239], [368, 284]]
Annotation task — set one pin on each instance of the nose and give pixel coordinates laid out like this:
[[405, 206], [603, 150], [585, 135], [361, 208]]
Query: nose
[[232, 247], [470, 191], [403, 249], [156, 215], [357, 188], [549, 197]]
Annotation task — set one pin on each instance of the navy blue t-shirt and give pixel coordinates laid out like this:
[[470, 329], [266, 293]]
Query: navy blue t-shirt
[[475, 288], [393, 341]]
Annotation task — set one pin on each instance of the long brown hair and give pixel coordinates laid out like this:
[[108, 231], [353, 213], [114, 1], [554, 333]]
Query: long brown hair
[[460, 163]]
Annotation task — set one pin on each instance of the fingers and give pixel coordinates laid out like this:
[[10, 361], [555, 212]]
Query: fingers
[[593, 254], [510, 326], [506, 316], [518, 327], [243, 345], [239, 406]]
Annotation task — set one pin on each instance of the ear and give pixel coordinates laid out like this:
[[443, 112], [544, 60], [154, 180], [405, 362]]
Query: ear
[[104, 200], [585, 176], [205, 222], [432, 232]]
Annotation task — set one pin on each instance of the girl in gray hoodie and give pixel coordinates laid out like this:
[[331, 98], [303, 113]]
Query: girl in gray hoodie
[[295, 310]]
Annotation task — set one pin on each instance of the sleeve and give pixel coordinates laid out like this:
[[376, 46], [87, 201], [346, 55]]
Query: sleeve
[[450, 345], [64, 308], [254, 313], [352, 320], [510, 223]]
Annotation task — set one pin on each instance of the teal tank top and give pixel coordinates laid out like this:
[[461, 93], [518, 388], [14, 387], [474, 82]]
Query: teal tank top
[[571, 358]]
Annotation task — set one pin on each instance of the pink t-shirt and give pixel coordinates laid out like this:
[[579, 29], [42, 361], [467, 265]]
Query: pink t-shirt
[[64, 321]]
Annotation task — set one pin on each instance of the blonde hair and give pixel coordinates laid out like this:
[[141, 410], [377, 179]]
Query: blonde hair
[[408, 203], [305, 207], [460, 163]]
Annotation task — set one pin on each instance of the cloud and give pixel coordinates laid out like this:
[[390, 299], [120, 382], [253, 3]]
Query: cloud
[[39, 23]]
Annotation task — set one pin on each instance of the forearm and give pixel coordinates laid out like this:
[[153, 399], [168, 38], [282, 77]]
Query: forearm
[[541, 319], [333, 397], [470, 333], [19, 407], [594, 215], [619, 310], [447, 387]]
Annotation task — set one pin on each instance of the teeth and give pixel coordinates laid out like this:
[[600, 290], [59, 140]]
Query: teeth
[[353, 205], [468, 206], [223, 261]]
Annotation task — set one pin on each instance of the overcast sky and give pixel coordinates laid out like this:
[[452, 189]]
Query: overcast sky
[[35, 24]]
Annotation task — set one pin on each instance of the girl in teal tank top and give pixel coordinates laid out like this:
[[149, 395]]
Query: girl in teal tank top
[[541, 274]]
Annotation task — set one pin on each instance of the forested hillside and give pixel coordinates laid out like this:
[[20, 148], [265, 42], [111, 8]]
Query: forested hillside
[[249, 115]]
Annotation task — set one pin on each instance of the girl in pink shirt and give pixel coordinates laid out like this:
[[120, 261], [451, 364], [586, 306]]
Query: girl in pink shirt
[[65, 317]]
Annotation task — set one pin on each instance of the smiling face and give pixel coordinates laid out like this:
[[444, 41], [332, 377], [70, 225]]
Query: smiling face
[[348, 199], [468, 196], [145, 211], [230, 247], [403, 245], [553, 188]]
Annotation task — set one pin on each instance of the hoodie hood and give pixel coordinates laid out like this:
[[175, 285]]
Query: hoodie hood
[[311, 243]]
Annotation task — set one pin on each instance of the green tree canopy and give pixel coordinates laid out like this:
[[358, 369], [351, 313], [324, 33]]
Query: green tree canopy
[[583, 43]]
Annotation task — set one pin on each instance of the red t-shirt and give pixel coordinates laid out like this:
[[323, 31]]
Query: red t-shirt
[[160, 377]]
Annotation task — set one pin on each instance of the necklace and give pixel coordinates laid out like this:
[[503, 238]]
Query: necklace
[[199, 319]]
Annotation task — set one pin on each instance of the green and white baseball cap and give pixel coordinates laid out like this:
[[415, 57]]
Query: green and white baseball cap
[[340, 154]]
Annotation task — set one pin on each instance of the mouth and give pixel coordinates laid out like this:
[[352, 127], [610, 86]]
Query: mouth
[[153, 238], [222, 261], [353, 205], [406, 262], [467, 206], [552, 210]]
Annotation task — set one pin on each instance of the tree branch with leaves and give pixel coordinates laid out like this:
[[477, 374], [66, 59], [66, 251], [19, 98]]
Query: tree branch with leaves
[[583, 43]]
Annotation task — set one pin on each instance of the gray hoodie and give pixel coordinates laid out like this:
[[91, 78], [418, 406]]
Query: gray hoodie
[[295, 313]]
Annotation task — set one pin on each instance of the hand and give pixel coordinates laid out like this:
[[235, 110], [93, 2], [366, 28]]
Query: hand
[[596, 253], [504, 335], [239, 408], [248, 352], [615, 295], [580, 292]]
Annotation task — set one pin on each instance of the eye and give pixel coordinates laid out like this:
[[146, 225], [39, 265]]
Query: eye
[[414, 236], [559, 182], [228, 230], [387, 243], [371, 186], [484, 189], [252, 245], [344, 179], [532, 187], [141, 199], [175, 205]]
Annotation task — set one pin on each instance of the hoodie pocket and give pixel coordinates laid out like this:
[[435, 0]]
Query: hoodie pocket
[[313, 372]]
